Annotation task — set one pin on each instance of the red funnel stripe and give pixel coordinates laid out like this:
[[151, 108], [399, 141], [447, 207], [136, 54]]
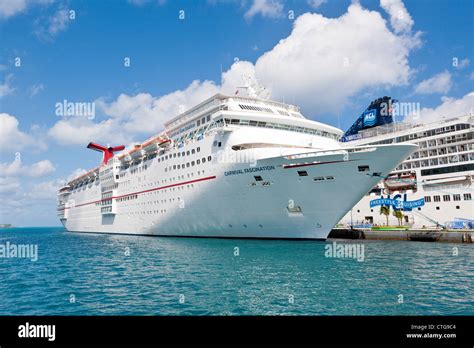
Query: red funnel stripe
[[108, 152]]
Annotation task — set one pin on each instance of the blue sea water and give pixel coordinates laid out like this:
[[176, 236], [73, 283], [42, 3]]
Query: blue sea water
[[131, 275]]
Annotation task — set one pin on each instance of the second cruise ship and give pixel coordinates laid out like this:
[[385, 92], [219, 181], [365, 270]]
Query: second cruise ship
[[431, 188], [232, 166]]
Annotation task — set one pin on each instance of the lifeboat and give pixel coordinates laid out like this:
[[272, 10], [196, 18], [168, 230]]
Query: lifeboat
[[137, 152], [400, 181], [155, 143]]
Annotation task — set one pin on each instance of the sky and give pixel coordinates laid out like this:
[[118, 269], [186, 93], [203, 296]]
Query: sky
[[138, 63]]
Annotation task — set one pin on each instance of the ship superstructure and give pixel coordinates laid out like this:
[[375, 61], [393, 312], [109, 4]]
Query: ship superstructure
[[232, 166]]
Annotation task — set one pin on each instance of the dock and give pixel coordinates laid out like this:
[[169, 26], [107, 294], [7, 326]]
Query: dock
[[418, 235]]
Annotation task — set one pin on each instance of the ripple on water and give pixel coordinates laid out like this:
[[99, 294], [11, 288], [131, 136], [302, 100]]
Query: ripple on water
[[125, 275]]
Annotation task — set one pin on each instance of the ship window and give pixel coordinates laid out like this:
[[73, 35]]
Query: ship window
[[467, 196], [427, 199], [456, 197], [302, 173], [187, 153], [446, 198], [174, 166], [193, 163], [179, 154], [219, 144], [198, 161], [437, 208], [204, 160], [437, 198], [364, 168], [208, 118], [258, 178], [193, 151], [182, 153], [203, 120], [209, 158], [457, 207], [198, 123], [187, 164]]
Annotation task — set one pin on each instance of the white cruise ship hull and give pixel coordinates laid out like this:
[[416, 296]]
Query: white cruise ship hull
[[227, 200]]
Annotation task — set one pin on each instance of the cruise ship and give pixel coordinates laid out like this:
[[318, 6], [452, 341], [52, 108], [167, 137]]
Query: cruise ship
[[431, 188], [238, 166]]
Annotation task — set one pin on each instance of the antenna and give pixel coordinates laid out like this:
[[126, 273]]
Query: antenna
[[253, 88]]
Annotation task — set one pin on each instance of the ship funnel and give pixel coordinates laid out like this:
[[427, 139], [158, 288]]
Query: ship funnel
[[108, 152]]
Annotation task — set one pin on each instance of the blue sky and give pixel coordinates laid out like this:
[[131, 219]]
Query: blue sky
[[417, 51]]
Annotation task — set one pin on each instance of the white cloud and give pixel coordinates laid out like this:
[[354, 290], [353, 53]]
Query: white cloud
[[41, 168], [144, 2], [131, 116], [265, 8], [325, 61], [76, 173], [5, 87], [449, 108], [400, 19], [11, 138], [9, 8], [46, 190], [8, 184], [35, 89], [55, 24], [316, 3], [308, 65], [440, 83], [18, 169], [143, 114]]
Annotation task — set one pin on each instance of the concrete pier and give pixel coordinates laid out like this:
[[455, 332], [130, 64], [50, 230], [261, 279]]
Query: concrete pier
[[422, 235]]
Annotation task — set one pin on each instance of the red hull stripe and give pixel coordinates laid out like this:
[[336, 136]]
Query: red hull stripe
[[288, 166], [146, 191]]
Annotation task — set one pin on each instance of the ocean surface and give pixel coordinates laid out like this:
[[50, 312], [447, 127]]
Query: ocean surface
[[94, 274]]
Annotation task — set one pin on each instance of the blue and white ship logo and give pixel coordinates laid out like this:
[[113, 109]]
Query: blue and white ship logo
[[370, 118]]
